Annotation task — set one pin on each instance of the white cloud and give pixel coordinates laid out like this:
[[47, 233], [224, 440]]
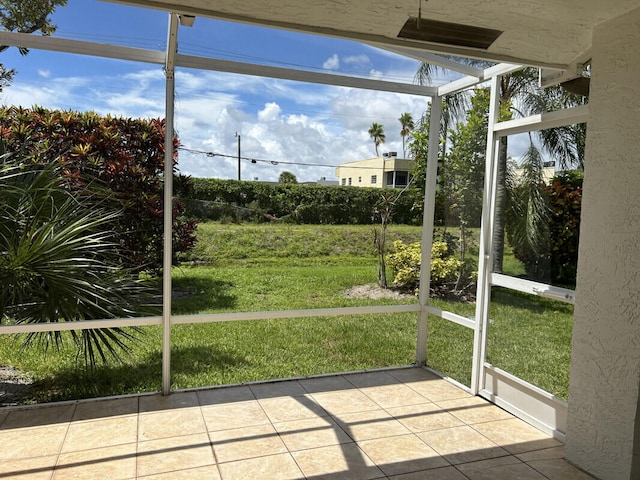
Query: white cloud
[[44, 73], [270, 112], [357, 60], [332, 63]]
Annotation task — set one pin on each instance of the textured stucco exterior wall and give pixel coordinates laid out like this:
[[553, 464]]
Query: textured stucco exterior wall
[[605, 365]]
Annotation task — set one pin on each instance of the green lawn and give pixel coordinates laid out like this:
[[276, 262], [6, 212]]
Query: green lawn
[[280, 267]]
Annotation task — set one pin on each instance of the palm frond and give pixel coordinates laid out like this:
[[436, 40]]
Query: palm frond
[[55, 248]]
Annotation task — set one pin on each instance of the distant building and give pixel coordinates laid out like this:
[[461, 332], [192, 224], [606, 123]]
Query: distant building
[[387, 171], [548, 172], [324, 181]]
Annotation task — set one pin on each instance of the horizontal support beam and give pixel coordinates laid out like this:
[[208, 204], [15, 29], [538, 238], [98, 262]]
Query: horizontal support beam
[[78, 47], [533, 288], [452, 317], [80, 325], [204, 63], [207, 318], [280, 314], [543, 121]]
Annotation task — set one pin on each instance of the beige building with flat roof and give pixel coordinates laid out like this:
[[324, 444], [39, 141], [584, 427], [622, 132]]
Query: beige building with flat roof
[[387, 171]]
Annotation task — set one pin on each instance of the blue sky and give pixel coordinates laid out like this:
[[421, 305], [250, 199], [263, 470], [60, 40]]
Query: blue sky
[[280, 121]]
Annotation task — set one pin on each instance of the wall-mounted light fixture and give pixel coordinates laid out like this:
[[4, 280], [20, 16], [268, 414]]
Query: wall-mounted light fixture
[[186, 20]]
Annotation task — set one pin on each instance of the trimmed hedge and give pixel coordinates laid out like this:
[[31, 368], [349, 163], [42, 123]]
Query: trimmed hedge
[[233, 200]]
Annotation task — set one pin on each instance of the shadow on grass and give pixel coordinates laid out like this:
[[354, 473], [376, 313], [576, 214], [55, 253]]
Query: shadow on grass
[[145, 375], [76, 382], [201, 359], [192, 294]]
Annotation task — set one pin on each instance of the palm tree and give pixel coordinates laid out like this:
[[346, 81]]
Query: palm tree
[[406, 120], [53, 246], [376, 132], [519, 92]]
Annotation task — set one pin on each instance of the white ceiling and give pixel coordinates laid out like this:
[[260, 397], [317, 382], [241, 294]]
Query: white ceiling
[[552, 33]]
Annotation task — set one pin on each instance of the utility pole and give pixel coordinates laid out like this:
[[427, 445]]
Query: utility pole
[[238, 136]]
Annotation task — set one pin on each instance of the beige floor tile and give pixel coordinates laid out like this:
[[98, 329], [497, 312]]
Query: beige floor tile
[[438, 390], [170, 423], [559, 469], [96, 409], [208, 472], [311, 433], [174, 454], [234, 415], [403, 454], [219, 396], [39, 468], [326, 384], [444, 473], [370, 424], [101, 433], [278, 389], [281, 467], [516, 436], [372, 379], [109, 463], [153, 403], [345, 401], [461, 444], [424, 417], [38, 417], [543, 454], [42, 442], [286, 409], [473, 410], [505, 468], [339, 462], [388, 396], [247, 442]]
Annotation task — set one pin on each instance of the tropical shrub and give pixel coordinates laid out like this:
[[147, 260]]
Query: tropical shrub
[[565, 198], [553, 257], [54, 246], [118, 159], [405, 265]]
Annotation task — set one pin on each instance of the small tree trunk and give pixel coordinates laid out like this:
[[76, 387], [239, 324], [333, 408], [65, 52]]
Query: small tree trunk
[[380, 242], [501, 201]]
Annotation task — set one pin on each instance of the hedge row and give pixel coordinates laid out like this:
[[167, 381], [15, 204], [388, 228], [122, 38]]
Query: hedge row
[[232, 200]]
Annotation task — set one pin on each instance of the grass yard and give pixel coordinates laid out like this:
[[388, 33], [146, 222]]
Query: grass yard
[[281, 267]]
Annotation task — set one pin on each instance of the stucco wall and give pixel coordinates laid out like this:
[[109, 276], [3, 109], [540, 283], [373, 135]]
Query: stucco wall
[[605, 365]]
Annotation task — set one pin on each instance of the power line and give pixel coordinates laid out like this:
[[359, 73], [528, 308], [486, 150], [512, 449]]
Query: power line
[[271, 162]]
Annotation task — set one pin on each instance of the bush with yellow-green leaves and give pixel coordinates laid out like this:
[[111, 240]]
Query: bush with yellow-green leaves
[[405, 265]]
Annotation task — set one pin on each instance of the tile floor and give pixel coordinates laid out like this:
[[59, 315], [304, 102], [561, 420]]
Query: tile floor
[[403, 424]]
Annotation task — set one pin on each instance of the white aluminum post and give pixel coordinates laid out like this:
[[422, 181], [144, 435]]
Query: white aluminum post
[[172, 44], [483, 293], [427, 227]]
